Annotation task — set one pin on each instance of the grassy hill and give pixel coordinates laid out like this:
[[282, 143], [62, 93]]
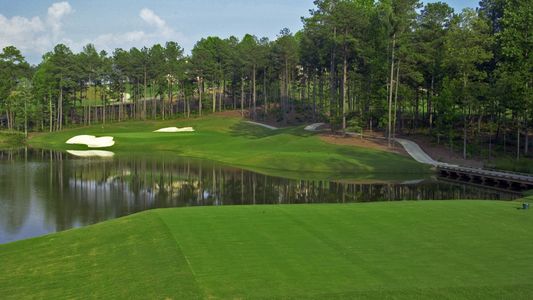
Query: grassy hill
[[9, 139], [290, 152], [405, 250]]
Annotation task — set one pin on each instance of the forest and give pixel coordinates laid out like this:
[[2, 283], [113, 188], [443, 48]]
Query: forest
[[399, 67]]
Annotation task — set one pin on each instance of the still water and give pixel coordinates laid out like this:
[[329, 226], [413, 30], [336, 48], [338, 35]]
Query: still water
[[43, 191]]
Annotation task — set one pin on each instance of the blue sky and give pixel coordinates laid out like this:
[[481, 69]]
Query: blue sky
[[34, 26]]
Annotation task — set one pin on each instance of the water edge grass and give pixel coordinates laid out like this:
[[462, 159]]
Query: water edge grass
[[229, 140], [405, 250]]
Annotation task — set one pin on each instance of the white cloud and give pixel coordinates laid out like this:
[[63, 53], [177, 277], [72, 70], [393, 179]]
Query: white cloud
[[59, 9], [160, 33], [151, 18], [55, 14], [35, 36]]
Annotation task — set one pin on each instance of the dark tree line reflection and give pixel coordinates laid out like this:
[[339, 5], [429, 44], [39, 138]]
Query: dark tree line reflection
[[43, 191]]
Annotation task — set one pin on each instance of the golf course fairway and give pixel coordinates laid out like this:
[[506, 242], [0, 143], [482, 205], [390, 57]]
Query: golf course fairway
[[291, 152], [400, 250]]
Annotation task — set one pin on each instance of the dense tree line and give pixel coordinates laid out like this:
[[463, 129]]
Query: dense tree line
[[397, 66]]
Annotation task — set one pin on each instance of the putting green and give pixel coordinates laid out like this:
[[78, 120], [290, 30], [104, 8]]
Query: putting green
[[402, 250], [291, 152]]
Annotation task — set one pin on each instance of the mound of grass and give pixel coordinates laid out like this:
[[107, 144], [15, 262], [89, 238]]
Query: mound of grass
[[405, 250], [523, 165], [287, 152], [11, 139]]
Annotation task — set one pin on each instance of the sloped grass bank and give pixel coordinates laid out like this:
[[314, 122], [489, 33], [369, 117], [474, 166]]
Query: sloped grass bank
[[290, 152], [11, 139], [405, 250]]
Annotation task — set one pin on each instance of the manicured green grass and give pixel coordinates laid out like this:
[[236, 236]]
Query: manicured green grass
[[524, 165], [290, 152], [401, 250], [10, 139]]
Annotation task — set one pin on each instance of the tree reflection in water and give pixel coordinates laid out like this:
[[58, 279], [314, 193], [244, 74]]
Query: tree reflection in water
[[45, 191]]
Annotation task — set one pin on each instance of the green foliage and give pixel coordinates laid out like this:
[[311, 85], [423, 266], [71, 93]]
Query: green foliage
[[515, 68], [523, 165], [354, 125], [449, 69], [13, 68], [11, 139]]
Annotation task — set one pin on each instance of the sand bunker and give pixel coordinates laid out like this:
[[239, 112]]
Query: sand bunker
[[175, 129], [91, 141], [91, 153], [262, 125], [313, 127]]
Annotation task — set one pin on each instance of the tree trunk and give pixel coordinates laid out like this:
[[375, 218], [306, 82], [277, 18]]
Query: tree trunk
[[430, 102], [464, 118], [417, 111], [287, 90], [222, 96], [214, 89], [390, 90], [200, 96], [242, 96], [314, 97], [332, 78], [103, 108], [60, 110], [464, 134], [344, 89], [253, 92], [526, 138], [517, 138], [265, 91], [396, 100], [154, 102], [50, 112], [145, 96]]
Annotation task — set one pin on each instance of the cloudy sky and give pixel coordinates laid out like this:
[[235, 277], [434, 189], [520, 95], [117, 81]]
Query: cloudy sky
[[34, 26]]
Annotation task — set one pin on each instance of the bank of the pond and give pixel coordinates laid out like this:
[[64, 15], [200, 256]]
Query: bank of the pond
[[11, 139], [232, 141], [426, 249]]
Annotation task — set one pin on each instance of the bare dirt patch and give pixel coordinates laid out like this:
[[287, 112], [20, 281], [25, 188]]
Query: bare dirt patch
[[229, 113], [369, 143], [443, 153]]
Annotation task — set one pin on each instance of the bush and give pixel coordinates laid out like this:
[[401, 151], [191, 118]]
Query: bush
[[10, 139], [524, 165]]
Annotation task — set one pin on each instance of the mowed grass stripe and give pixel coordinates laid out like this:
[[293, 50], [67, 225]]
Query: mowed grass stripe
[[409, 248], [399, 250], [126, 258]]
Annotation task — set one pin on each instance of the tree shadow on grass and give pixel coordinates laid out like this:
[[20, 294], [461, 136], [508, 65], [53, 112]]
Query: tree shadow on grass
[[382, 161], [247, 130]]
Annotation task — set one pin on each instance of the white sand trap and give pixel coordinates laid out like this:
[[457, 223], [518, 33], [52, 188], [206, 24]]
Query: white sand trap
[[81, 140], [102, 142], [91, 141], [91, 153], [175, 129], [313, 127]]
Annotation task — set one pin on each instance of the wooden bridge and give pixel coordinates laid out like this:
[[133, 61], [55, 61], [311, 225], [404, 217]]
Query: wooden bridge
[[498, 179], [486, 177]]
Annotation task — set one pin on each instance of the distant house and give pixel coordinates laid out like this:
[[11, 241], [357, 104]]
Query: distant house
[[3, 120]]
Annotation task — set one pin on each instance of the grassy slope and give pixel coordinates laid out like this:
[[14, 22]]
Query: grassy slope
[[432, 249], [231, 141], [11, 139]]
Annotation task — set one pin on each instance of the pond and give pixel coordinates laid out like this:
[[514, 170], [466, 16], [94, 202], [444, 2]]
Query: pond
[[44, 191]]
